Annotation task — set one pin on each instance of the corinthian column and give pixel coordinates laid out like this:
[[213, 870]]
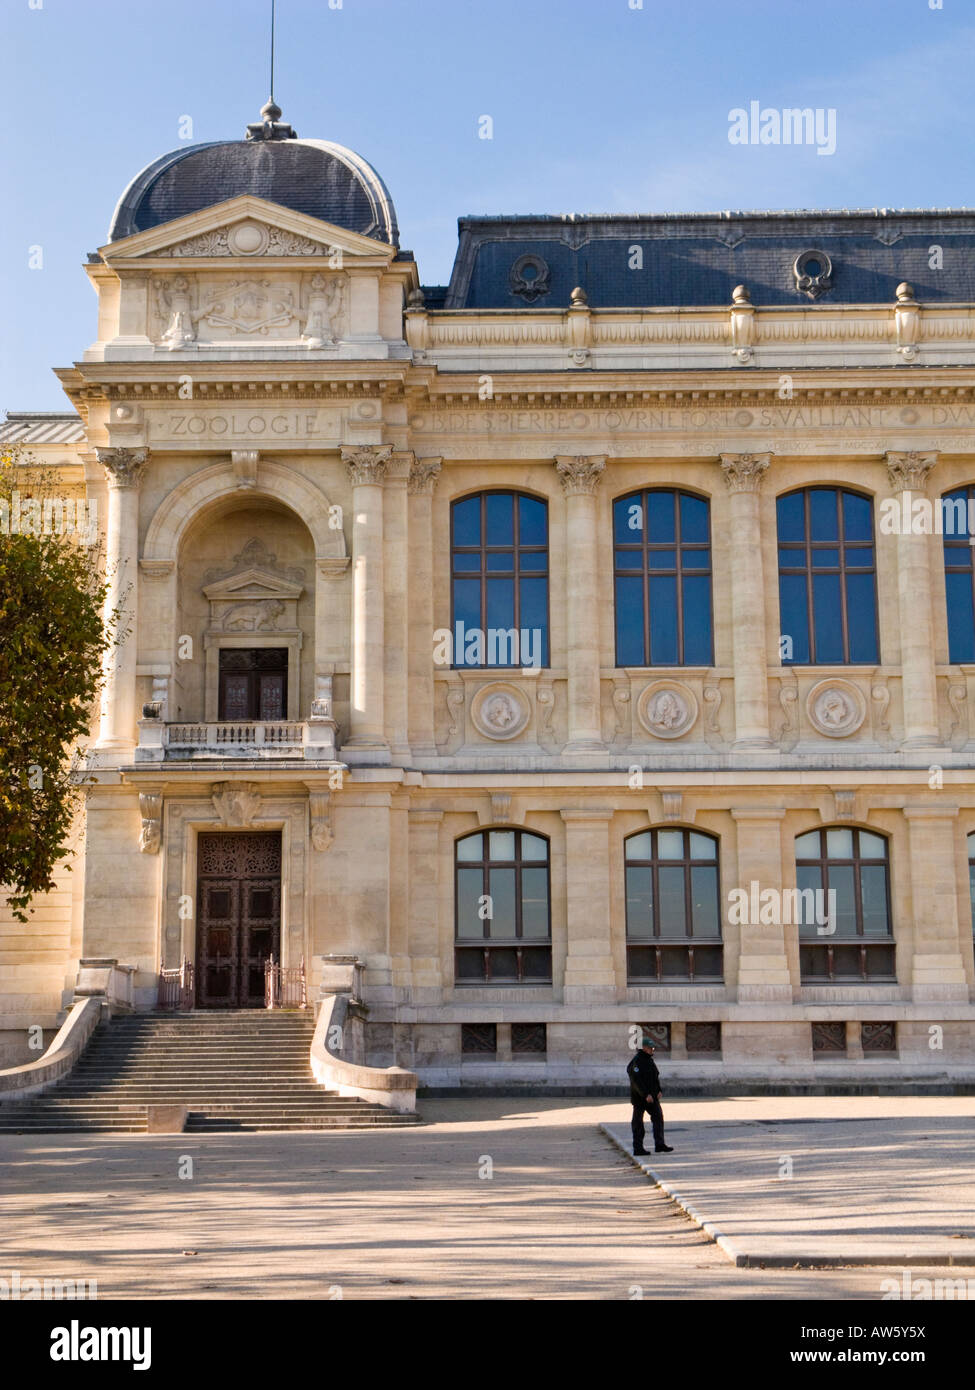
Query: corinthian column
[[367, 469], [743, 474], [908, 474], [580, 475], [422, 481], [117, 724]]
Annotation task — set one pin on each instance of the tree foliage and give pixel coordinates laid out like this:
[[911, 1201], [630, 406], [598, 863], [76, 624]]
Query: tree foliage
[[52, 640]]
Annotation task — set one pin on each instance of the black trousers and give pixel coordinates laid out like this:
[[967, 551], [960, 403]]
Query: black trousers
[[654, 1110]]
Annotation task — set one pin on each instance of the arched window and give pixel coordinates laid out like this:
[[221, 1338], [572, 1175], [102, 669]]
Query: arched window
[[959, 573], [662, 574], [827, 577], [499, 580], [503, 931], [844, 921], [673, 908], [971, 875]]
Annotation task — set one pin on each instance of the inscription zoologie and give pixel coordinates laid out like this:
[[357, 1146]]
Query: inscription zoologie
[[242, 424]]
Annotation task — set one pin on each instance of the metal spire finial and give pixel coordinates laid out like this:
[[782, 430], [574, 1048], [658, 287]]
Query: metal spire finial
[[270, 126]]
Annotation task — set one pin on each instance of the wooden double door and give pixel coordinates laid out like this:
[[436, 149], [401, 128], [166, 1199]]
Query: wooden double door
[[238, 921]]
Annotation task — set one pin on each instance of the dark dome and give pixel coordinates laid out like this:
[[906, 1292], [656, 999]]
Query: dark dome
[[311, 176]]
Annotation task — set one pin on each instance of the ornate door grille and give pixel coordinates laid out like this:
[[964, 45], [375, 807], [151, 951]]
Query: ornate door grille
[[238, 917]]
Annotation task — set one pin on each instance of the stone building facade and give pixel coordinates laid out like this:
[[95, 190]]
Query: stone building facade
[[547, 641]]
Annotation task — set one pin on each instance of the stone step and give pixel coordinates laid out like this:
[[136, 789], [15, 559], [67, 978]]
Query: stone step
[[247, 1072]]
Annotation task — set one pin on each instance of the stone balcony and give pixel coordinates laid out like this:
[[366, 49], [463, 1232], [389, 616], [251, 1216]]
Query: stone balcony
[[251, 740]]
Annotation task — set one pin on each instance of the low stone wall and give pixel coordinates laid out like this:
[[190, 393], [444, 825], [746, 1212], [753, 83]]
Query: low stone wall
[[393, 1087], [68, 1045]]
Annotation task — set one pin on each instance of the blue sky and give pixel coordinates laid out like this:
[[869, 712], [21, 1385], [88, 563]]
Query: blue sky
[[597, 107]]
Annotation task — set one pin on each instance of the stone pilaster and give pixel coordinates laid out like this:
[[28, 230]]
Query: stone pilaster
[[420, 487], [367, 471], [396, 616], [937, 969], [426, 958], [763, 966], [744, 474], [908, 474], [117, 724], [580, 475], [590, 976]]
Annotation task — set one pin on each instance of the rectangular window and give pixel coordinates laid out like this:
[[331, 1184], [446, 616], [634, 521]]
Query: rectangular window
[[499, 576], [479, 1039], [528, 1039]]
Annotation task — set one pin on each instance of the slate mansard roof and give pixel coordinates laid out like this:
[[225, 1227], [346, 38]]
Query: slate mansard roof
[[315, 177], [698, 258], [41, 427]]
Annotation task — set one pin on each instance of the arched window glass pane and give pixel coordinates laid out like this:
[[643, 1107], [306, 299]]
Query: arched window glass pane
[[827, 578], [670, 844], [673, 907], [501, 844], [501, 891], [503, 917], [662, 569], [842, 874], [639, 846], [499, 580], [703, 847], [470, 887], [533, 846]]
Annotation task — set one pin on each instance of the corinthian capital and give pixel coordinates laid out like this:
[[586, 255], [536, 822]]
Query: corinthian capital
[[423, 477], [909, 472], [367, 462], [744, 472], [580, 473], [125, 467]]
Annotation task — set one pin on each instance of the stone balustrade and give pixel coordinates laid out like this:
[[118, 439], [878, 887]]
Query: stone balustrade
[[312, 739]]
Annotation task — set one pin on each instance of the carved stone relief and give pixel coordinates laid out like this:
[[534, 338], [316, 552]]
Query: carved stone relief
[[667, 709], [835, 708], [248, 239], [500, 711], [237, 803], [150, 808]]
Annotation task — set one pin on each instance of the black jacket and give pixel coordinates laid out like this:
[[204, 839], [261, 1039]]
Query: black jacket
[[644, 1077]]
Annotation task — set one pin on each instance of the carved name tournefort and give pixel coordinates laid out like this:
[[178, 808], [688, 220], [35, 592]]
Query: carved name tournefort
[[516, 663]]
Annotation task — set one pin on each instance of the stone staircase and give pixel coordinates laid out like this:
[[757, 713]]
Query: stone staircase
[[237, 1071]]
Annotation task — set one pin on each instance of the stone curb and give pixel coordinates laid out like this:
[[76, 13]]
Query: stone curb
[[708, 1227], [776, 1261]]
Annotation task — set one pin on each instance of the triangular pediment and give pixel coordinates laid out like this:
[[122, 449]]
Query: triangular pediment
[[246, 228], [253, 584]]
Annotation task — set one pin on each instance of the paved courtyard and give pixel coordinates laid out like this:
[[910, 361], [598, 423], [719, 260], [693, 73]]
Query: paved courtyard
[[414, 1214]]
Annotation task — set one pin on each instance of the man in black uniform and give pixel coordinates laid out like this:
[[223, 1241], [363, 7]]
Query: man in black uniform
[[645, 1095]]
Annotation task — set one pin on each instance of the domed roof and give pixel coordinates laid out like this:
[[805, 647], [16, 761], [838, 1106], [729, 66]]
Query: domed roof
[[316, 177]]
